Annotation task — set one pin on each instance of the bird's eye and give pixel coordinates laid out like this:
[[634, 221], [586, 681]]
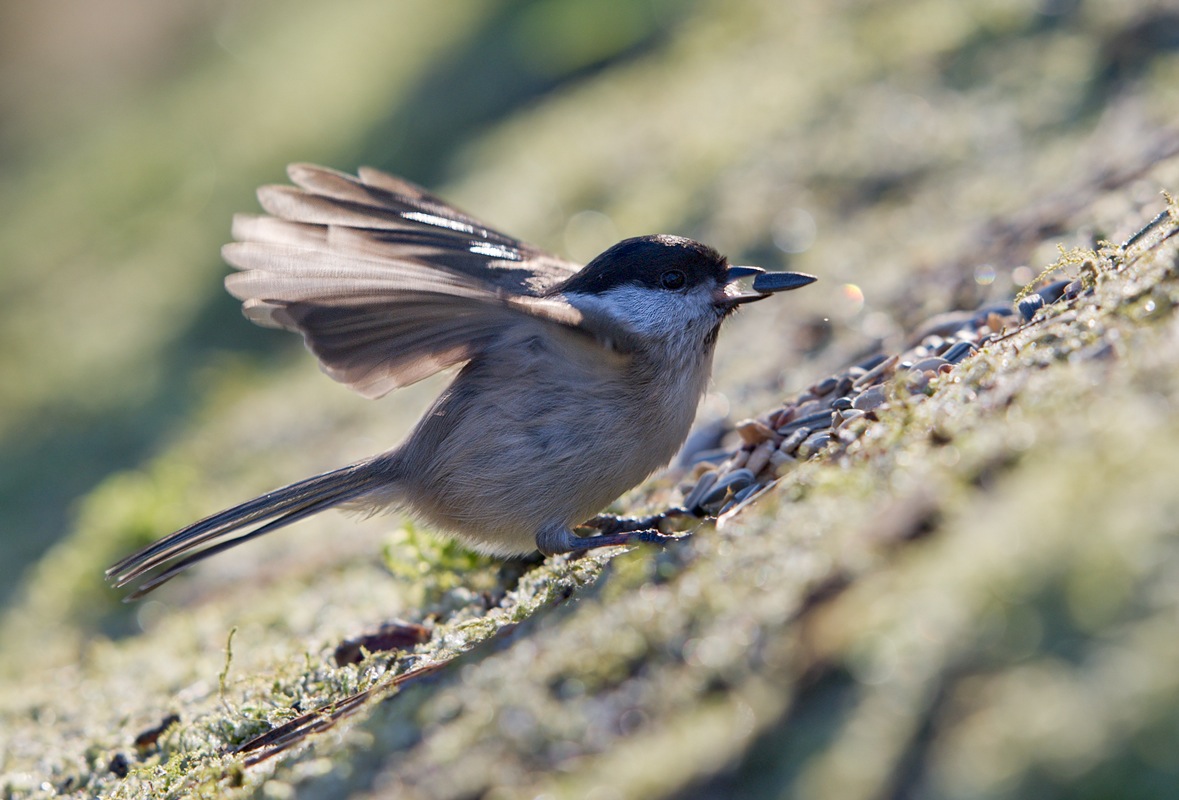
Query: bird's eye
[[673, 279]]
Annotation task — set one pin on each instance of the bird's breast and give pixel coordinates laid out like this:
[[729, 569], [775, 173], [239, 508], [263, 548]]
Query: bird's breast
[[548, 431]]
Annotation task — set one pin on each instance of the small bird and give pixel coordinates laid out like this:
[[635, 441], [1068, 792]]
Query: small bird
[[576, 382]]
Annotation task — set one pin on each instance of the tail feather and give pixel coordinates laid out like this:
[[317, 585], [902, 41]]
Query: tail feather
[[281, 507]]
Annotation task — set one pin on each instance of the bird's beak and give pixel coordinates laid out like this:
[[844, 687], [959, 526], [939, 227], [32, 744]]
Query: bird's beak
[[764, 284]]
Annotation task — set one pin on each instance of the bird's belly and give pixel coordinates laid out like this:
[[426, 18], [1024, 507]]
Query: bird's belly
[[549, 467], [544, 433]]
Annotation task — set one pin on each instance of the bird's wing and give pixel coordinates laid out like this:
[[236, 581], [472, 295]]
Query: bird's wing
[[388, 284]]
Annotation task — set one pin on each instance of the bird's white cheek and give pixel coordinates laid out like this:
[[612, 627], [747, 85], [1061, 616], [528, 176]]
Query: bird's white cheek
[[651, 312]]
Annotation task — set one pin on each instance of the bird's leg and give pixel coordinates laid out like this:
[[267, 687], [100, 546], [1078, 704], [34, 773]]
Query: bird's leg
[[611, 523], [560, 539]]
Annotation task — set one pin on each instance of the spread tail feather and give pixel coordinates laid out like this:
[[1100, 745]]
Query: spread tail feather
[[275, 509]]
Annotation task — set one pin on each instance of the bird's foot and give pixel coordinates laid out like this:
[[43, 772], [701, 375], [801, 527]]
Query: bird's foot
[[646, 535], [611, 523], [563, 540]]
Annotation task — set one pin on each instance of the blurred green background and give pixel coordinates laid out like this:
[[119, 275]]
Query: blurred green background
[[918, 155]]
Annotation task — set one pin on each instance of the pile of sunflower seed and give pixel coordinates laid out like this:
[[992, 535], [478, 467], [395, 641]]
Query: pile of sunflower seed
[[831, 414]]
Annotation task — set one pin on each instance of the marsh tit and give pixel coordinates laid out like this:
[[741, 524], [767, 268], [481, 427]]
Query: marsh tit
[[575, 383]]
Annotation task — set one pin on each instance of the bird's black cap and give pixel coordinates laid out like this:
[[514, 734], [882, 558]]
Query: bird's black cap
[[644, 260]]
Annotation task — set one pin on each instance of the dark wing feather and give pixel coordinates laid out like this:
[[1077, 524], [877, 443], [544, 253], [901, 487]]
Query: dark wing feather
[[388, 284], [394, 216]]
